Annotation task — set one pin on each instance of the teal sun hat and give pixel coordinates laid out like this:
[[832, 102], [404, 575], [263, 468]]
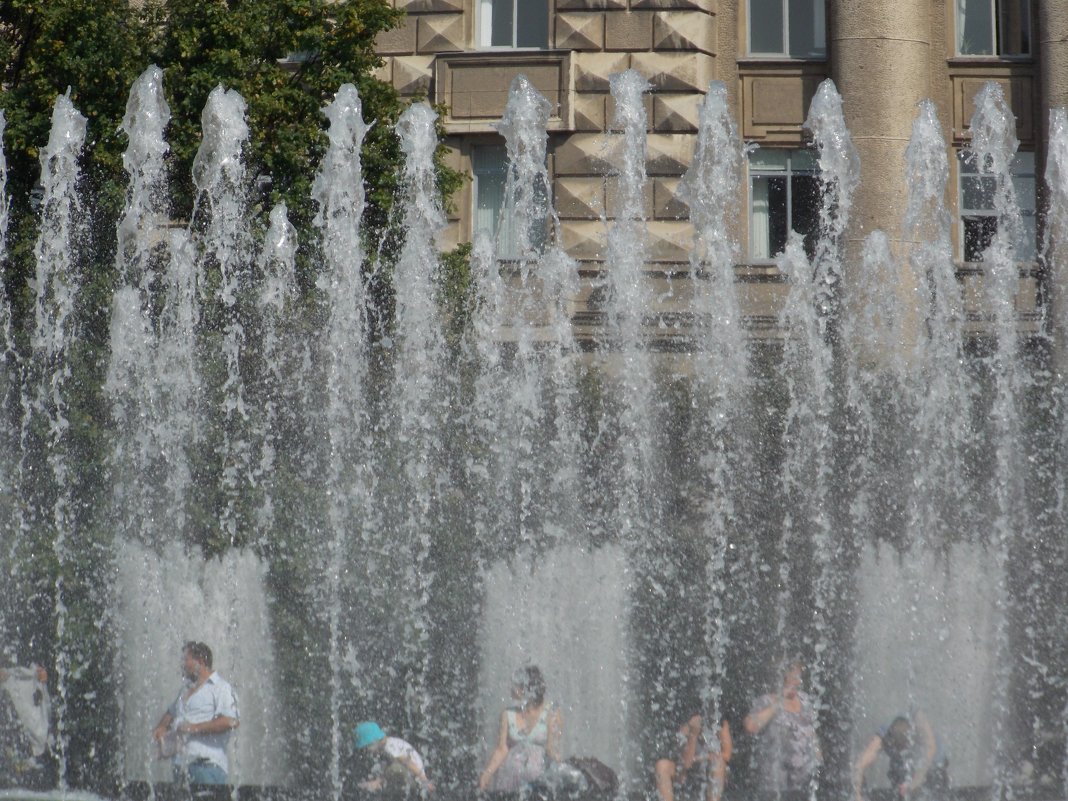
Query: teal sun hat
[[367, 733]]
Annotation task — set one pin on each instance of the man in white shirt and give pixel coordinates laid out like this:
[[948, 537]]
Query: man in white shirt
[[195, 729]]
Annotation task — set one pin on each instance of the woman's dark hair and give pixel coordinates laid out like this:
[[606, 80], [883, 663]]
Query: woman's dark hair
[[529, 679], [898, 735]]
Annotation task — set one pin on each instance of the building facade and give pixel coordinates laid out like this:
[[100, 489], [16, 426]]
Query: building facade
[[885, 56]]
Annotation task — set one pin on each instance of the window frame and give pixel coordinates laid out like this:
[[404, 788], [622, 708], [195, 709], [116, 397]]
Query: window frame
[[1025, 170], [997, 37], [788, 174], [484, 27], [784, 53]]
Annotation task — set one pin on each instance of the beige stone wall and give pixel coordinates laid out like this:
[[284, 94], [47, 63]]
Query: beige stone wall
[[1053, 46], [884, 56]]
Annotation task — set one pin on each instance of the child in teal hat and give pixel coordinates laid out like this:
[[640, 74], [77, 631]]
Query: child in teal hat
[[404, 766]]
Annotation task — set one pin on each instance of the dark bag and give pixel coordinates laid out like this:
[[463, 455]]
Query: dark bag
[[601, 778]]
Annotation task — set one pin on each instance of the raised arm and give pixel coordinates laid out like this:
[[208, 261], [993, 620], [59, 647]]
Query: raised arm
[[865, 761], [758, 719], [929, 749], [691, 732], [498, 755]]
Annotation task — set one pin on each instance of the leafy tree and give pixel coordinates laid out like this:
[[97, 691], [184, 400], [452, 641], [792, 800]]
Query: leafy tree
[[286, 58]]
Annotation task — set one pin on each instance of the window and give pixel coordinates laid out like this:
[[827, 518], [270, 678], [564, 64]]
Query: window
[[784, 195], [979, 218], [791, 28], [513, 23], [489, 163], [993, 27]]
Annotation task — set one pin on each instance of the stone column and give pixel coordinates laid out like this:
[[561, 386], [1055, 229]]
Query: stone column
[[1052, 50], [880, 54]]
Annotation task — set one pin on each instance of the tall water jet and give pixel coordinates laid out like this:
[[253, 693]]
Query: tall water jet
[[49, 504], [421, 400], [144, 454], [993, 148], [810, 320], [1055, 258], [721, 384], [526, 416], [338, 190], [632, 494], [221, 218], [8, 383]]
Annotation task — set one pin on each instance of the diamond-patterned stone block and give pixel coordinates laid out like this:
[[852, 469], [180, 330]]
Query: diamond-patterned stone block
[[589, 112], [584, 240], [614, 198], [422, 6], [441, 33], [711, 6], [579, 198], [675, 72], [579, 31], [676, 112], [582, 154], [684, 30], [666, 202], [589, 5], [669, 154], [669, 241], [411, 74], [592, 70]]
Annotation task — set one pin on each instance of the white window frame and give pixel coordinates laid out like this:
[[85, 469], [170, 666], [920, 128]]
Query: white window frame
[[959, 7], [1023, 170], [485, 26], [788, 173], [784, 52]]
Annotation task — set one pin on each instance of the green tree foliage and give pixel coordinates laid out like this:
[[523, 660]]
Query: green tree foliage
[[286, 58]]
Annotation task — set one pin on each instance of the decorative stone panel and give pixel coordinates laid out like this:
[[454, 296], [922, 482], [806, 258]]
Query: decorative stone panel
[[711, 6], [666, 202], [474, 86], [775, 101], [628, 30], [669, 241], [412, 74], [579, 198], [441, 33], [589, 112], [579, 31], [584, 240], [589, 5], [399, 40], [1019, 88], [610, 111], [676, 112], [613, 195], [684, 30], [592, 70], [669, 154], [421, 6], [583, 154], [675, 72]]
